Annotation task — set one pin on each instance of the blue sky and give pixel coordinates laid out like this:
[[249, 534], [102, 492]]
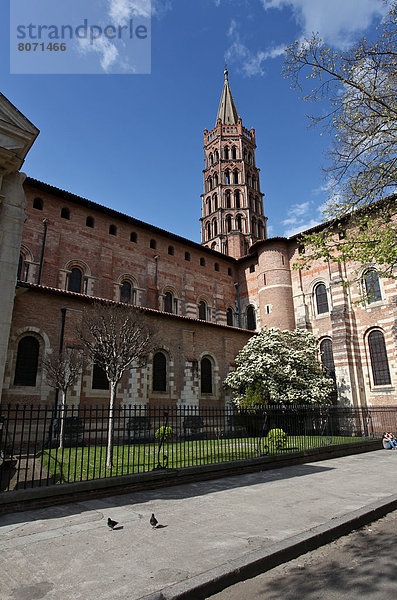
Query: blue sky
[[135, 142]]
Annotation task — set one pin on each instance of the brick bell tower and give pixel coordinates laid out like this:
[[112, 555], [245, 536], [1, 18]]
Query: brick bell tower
[[232, 204]]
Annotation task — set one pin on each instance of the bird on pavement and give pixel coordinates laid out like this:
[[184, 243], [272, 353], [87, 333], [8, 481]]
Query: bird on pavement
[[153, 521], [112, 524]]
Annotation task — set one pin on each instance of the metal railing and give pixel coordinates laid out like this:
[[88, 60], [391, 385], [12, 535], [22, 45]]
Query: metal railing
[[147, 438]]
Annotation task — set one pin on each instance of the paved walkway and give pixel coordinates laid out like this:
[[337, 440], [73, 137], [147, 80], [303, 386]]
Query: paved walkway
[[208, 531]]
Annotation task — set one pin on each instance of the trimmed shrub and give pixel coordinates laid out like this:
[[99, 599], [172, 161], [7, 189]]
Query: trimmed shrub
[[165, 433], [277, 438]]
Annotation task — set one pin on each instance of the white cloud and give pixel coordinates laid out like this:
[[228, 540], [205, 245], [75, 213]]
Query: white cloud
[[106, 49], [337, 21], [300, 218], [251, 62]]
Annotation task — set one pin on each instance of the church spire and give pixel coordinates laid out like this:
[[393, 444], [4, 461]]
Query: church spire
[[227, 111]]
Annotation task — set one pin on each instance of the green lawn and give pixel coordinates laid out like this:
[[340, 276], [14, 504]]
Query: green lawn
[[85, 463]]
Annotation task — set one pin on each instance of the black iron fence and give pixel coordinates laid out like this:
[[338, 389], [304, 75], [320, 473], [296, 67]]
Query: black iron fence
[[39, 447]]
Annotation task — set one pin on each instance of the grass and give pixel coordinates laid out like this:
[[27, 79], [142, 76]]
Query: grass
[[89, 462]]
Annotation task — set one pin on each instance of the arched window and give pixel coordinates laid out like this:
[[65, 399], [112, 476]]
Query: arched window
[[378, 355], [321, 299], [89, 222], [27, 361], [372, 286], [159, 372], [65, 213], [214, 228], [215, 201], [38, 204], [126, 292], [239, 223], [250, 158], [23, 267], [216, 265], [228, 223], [215, 179], [168, 302], [99, 379], [235, 176], [226, 152], [216, 156], [251, 318], [208, 231], [75, 280], [253, 227], [227, 177], [237, 198], [327, 357], [202, 309], [206, 376], [213, 247], [234, 153], [211, 159], [229, 317], [228, 199], [260, 230]]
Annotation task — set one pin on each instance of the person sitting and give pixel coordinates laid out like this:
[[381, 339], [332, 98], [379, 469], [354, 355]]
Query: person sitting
[[389, 441]]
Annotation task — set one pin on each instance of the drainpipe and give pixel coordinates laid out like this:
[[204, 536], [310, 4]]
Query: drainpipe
[[42, 250], [238, 304]]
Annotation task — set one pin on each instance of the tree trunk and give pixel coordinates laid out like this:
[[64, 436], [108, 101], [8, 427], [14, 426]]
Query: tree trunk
[[109, 459], [62, 418]]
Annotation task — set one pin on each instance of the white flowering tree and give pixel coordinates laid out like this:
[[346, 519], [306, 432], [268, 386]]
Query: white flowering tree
[[279, 367]]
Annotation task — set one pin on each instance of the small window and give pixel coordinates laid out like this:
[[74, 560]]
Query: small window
[[159, 372], [27, 361], [264, 279], [268, 309], [126, 292], [171, 250], [229, 271], [372, 287], [251, 318], [75, 280], [206, 376], [202, 310], [168, 302], [133, 237], [38, 204], [321, 299], [153, 244], [229, 317], [379, 361], [252, 268], [99, 379], [216, 266], [65, 213], [112, 230], [89, 222], [202, 262], [187, 256]]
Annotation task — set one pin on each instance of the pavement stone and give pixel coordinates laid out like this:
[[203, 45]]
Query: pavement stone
[[210, 533]]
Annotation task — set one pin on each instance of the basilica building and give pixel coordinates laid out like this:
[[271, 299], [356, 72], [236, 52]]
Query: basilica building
[[59, 252]]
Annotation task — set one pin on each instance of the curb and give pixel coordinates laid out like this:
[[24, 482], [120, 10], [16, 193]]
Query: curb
[[252, 564]]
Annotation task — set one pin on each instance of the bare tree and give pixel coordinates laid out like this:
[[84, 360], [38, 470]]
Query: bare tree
[[115, 337], [358, 90], [61, 372]]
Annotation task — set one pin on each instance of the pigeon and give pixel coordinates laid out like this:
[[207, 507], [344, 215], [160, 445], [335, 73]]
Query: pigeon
[[153, 521], [112, 524]]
